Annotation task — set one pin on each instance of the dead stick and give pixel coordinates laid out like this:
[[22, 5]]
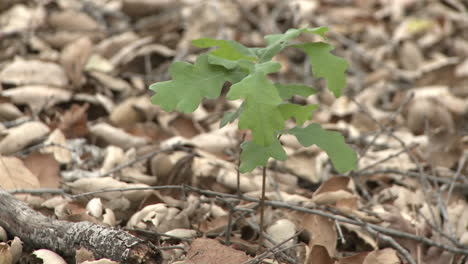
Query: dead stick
[[64, 238]]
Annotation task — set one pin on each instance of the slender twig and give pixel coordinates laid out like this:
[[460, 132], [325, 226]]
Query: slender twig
[[403, 252], [271, 251], [262, 209], [238, 164]]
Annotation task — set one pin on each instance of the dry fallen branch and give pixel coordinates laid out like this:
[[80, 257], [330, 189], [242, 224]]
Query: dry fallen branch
[[39, 231]]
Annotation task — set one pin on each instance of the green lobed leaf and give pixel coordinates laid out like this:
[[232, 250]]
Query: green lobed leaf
[[227, 49], [189, 84], [342, 156], [287, 91], [254, 155], [260, 114], [277, 42], [326, 65], [230, 116], [228, 53], [301, 113]]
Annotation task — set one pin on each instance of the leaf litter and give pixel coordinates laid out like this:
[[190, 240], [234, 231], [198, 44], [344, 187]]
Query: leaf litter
[[75, 115]]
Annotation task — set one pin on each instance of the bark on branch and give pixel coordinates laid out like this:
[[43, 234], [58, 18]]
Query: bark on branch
[[64, 237]]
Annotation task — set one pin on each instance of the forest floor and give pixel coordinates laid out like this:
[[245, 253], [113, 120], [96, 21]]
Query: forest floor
[[76, 118]]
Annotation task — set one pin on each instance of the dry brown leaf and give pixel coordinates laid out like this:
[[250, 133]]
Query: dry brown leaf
[[113, 83], [59, 147], [96, 184], [33, 72], [71, 20], [114, 157], [21, 136], [110, 46], [37, 97], [139, 8], [333, 184], [321, 229], [210, 251], [159, 217], [74, 121], [9, 111], [15, 175], [355, 259], [319, 255], [116, 136], [45, 167], [73, 59], [21, 17], [49, 257], [3, 235], [280, 231], [125, 114], [383, 256]]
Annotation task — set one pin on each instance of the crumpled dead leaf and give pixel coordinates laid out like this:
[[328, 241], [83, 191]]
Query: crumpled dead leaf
[[37, 97], [33, 72], [21, 136]]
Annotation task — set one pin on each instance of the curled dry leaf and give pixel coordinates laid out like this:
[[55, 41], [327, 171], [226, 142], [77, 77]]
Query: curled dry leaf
[[322, 231], [139, 8], [109, 217], [161, 165], [16, 249], [49, 257], [97, 184], [429, 113], [9, 111], [383, 256], [3, 235], [110, 46], [73, 59], [21, 136], [37, 97], [280, 231], [59, 147], [22, 18], [319, 254], [81, 21], [126, 114], [159, 217], [135, 175], [114, 157], [33, 72], [113, 83], [94, 207], [181, 233], [217, 141], [115, 136]]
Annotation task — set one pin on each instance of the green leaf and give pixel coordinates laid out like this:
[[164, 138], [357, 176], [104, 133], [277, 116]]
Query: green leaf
[[230, 116], [287, 91], [277, 42], [228, 54], [228, 49], [301, 113], [326, 65], [254, 155], [189, 84], [260, 114], [342, 156]]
